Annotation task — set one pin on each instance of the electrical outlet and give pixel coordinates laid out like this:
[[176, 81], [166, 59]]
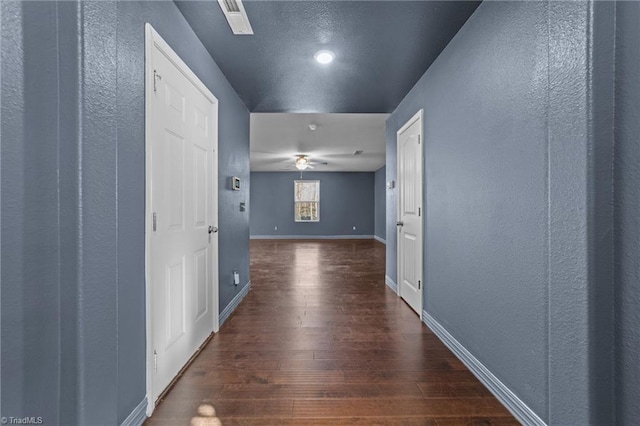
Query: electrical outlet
[[236, 278], [276, 228], [354, 228]]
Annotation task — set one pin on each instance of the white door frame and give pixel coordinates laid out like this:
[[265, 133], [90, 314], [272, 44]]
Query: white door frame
[[153, 39], [417, 117]]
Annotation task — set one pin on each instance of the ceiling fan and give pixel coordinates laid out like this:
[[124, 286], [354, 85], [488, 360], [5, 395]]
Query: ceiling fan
[[278, 161], [289, 161]]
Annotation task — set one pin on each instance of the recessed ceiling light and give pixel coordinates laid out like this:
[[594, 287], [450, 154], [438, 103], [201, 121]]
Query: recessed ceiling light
[[324, 56]]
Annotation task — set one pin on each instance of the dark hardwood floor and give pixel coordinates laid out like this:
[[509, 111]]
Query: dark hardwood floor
[[321, 340]]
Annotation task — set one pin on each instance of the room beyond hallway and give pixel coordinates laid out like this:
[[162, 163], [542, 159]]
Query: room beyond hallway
[[320, 339]]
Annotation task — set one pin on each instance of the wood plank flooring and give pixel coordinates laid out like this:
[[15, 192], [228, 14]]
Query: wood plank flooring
[[321, 340]]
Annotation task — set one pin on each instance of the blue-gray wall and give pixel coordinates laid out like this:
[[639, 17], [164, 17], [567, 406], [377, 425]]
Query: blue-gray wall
[[73, 307], [34, 283], [627, 207], [346, 200], [518, 146], [380, 203]]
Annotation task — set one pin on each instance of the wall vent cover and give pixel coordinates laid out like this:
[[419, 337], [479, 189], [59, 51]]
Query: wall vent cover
[[236, 16]]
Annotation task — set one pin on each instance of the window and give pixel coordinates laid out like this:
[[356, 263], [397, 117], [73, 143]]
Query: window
[[306, 196]]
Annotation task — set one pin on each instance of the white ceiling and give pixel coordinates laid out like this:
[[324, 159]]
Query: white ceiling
[[277, 138]]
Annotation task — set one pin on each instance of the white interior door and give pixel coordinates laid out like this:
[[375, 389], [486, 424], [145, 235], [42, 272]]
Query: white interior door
[[410, 212], [181, 192]]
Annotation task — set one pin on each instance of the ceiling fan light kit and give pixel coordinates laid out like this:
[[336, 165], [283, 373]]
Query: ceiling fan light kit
[[302, 162]]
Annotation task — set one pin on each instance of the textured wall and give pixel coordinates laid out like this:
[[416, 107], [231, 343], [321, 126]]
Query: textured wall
[[627, 206], [30, 277], [346, 200], [73, 308], [486, 209], [518, 213], [380, 202]]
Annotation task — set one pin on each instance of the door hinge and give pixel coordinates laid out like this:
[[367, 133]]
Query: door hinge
[[155, 221], [419, 211], [156, 77], [155, 361], [419, 285], [419, 138]]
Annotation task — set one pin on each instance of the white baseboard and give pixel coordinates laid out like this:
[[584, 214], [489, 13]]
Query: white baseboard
[[233, 304], [382, 240], [510, 400], [137, 416], [311, 237], [392, 284]]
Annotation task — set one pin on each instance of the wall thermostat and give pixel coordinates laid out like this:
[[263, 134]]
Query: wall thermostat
[[235, 183]]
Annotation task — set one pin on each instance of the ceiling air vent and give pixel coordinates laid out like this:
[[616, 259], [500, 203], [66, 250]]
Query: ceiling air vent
[[231, 6], [358, 152], [236, 16]]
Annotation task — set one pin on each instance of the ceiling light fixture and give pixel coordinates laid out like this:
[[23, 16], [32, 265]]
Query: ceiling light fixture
[[302, 162], [324, 56]]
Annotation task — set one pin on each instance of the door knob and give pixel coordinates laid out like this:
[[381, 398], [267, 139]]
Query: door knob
[[213, 229], [399, 223]]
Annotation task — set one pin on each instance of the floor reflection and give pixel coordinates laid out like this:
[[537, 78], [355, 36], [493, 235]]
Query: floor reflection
[[206, 416]]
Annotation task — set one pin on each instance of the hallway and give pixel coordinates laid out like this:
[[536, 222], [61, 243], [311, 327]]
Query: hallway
[[320, 339]]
